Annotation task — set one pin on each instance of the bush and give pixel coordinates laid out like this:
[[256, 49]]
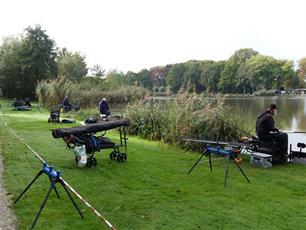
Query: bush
[[188, 115], [265, 93], [86, 94], [52, 92]]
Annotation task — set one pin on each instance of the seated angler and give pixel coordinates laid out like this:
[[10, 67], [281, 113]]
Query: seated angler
[[27, 102], [266, 132], [104, 109], [66, 104]]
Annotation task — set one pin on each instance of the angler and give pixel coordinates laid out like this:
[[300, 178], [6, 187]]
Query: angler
[[269, 136]]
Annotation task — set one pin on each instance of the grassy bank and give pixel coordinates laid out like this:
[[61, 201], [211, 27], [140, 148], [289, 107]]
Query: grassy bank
[[149, 191]]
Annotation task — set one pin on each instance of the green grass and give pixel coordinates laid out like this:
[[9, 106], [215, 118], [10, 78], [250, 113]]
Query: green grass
[[149, 191]]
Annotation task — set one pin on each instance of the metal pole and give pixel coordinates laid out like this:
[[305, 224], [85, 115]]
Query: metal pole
[[204, 152], [71, 198], [26, 189], [43, 204]]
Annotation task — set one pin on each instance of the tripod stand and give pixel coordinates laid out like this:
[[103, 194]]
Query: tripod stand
[[54, 178], [221, 152]]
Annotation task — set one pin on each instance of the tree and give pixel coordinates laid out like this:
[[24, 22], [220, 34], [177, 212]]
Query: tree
[[210, 75], [131, 78], [71, 65], [265, 72], [37, 58], [143, 77], [174, 77], [98, 71], [10, 66], [244, 76], [158, 75], [291, 78], [228, 79], [302, 69], [26, 61], [114, 79], [191, 76]]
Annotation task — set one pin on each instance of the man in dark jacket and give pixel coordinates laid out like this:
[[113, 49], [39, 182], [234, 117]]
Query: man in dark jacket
[[66, 104], [27, 102], [266, 131], [103, 107]]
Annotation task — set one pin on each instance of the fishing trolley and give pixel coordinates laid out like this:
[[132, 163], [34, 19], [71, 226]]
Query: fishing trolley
[[86, 143]]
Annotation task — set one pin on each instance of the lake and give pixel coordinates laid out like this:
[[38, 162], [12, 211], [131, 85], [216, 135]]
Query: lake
[[291, 113]]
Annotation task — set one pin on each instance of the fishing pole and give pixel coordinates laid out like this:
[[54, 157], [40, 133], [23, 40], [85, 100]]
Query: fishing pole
[[66, 183], [250, 145], [210, 142], [243, 131], [290, 131]]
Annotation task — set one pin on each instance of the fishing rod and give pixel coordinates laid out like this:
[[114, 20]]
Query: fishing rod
[[210, 142], [243, 131], [83, 200], [290, 131], [247, 144]]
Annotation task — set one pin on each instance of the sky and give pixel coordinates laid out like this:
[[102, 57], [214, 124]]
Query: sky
[[137, 34]]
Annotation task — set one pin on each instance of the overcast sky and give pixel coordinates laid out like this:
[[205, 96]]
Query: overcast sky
[[136, 34]]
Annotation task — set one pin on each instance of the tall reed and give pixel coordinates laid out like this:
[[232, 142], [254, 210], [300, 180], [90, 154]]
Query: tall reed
[[87, 95], [188, 115]]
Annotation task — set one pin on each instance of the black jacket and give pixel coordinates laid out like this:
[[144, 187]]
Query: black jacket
[[66, 102], [103, 107], [265, 124]]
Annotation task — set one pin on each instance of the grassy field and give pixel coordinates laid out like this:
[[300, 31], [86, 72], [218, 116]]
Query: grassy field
[[149, 191]]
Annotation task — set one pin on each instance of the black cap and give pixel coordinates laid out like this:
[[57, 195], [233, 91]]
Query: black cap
[[272, 106]]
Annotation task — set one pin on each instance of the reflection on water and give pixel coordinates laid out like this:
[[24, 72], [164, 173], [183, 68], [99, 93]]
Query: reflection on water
[[291, 113]]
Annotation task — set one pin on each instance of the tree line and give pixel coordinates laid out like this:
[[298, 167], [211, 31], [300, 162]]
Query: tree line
[[33, 57]]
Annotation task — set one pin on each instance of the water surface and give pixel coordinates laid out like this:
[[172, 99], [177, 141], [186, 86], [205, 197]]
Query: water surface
[[291, 113]]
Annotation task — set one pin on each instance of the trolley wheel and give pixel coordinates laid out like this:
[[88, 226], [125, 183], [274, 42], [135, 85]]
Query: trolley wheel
[[112, 155], [94, 162], [49, 120], [120, 157], [89, 162], [124, 156], [76, 159]]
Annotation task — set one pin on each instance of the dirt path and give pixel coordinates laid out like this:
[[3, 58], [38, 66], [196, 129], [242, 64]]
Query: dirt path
[[7, 217]]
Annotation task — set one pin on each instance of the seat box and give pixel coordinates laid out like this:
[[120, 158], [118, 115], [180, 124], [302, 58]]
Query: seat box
[[261, 159]]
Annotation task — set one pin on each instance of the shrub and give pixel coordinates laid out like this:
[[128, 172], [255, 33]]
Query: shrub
[[86, 94], [52, 92], [265, 93], [188, 115]]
